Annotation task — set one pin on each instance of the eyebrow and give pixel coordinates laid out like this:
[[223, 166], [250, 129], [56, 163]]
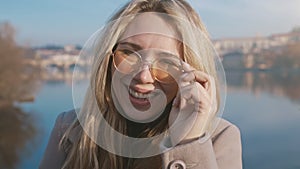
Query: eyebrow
[[138, 47], [133, 45], [164, 53]]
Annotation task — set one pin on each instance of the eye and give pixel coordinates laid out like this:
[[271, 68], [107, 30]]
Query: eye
[[167, 62], [124, 52], [126, 55]]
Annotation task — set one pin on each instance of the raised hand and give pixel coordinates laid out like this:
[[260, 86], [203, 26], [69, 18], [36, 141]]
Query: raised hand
[[193, 107]]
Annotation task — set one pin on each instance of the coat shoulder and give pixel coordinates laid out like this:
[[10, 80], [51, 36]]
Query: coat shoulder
[[225, 127], [67, 118], [64, 120]]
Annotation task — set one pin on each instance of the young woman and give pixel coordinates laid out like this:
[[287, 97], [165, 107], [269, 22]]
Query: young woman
[[153, 99]]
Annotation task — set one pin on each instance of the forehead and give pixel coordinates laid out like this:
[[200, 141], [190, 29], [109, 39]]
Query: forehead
[[150, 30], [154, 41], [150, 23]]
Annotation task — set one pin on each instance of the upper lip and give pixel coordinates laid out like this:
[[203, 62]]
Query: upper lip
[[139, 89]]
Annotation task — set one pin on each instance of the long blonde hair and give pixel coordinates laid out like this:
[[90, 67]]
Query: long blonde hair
[[84, 153]]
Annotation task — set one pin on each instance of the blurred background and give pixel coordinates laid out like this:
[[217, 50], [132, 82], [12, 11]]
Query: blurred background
[[258, 42]]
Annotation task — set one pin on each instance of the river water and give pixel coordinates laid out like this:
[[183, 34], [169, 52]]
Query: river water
[[265, 106]]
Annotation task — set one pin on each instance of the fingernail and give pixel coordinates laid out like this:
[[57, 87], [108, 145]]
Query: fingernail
[[184, 75], [186, 64], [174, 102]]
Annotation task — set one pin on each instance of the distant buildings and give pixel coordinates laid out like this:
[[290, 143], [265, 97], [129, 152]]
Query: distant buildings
[[236, 54], [245, 45], [242, 53], [57, 62]]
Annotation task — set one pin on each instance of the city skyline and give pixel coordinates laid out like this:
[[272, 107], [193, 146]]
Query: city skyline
[[63, 22]]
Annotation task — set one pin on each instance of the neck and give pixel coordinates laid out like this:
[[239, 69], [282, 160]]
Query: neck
[[135, 129]]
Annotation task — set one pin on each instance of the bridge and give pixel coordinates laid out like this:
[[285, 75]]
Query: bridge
[[63, 62]]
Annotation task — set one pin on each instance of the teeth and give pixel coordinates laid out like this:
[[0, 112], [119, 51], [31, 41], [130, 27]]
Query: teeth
[[140, 95]]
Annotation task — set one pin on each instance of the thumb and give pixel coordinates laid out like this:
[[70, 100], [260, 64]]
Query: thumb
[[176, 101]]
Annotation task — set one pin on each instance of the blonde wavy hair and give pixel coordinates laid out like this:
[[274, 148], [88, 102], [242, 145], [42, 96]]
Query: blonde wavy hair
[[84, 153]]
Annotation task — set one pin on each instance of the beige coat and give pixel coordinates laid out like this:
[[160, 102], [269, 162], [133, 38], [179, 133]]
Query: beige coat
[[222, 151]]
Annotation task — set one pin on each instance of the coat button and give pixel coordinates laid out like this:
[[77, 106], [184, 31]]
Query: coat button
[[177, 164]]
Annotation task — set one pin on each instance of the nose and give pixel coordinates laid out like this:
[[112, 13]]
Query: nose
[[144, 76]]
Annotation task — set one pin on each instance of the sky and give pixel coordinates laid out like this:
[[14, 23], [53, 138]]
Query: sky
[[61, 22]]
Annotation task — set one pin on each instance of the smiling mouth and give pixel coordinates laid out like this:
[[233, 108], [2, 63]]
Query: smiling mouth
[[139, 95], [140, 100]]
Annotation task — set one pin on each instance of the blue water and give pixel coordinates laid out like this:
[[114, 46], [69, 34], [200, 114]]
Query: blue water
[[52, 99], [268, 116], [269, 127]]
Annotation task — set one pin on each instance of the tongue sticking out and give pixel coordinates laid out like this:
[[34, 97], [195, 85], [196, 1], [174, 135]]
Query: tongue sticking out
[[140, 100]]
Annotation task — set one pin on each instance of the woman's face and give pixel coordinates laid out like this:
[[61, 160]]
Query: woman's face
[[145, 67]]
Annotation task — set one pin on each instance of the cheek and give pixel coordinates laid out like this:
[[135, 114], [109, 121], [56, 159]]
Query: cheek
[[170, 91]]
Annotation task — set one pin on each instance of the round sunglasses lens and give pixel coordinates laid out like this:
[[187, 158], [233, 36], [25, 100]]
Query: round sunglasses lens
[[162, 76], [125, 61], [166, 70]]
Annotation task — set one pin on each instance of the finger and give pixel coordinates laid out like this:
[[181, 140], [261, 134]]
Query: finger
[[183, 103], [196, 76], [187, 68], [195, 92], [204, 106], [203, 78], [176, 101], [188, 76], [191, 74], [193, 103]]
